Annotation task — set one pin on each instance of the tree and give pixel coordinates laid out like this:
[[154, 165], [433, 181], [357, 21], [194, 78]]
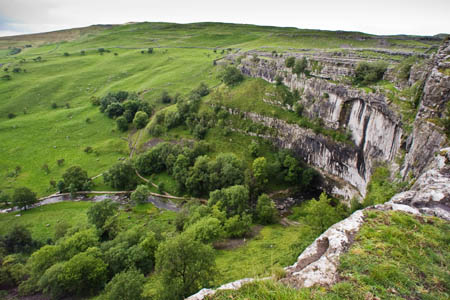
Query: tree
[[4, 198], [150, 50], [18, 239], [265, 210], [140, 195], [165, 97], [293, 169], [114, 109], [76, 179], [206, 230], [290, 61], [231, 76], [184, 265], [253, 148], [121, 176], [368, 73], [100, 212], [122, 123], [202, 90], [233, 200], [125, 285], [23, 197], [259, 168], [320, 213], [83, 274], [140, 119], [238, 226], [300, 66], [226, 170]]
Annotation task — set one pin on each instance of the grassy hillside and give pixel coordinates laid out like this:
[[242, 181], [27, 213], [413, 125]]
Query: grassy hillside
[[182, 59], [395, 256]]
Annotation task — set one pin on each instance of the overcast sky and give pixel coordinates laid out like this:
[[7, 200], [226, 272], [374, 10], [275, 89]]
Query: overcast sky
[[374, 16]]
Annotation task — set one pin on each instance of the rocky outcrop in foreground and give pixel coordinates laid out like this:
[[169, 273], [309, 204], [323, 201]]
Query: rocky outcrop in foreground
[[318, 264]]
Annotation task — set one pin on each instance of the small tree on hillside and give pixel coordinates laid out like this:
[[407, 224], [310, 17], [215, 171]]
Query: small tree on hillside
[[140, 195], [184, 265], [231, 76], [23, 197], [121, 176], [122, 123], [75, 179], [290, 61], [125, 285], [266, 210], [140, 119]]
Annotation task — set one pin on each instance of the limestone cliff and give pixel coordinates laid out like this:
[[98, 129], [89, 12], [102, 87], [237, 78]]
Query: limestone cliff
[[374, 124]]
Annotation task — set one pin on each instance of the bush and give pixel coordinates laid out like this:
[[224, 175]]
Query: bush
[[231, 76], [369, 73], [140, 195], [11, 116], [202, 90], [122, 123], [290, 62], [23, 197], [126, 285], [234, 200], [66, 54], [165, 97], [300, 66], [18, 239], [121, 176], [150, 50], [140, 119], [253, 148], [156, 130], [114, 109], [76, 179], [265, 210], [82, 52], [278, 80], [6, 77], [206, 230], [238, 226], [100, 212]]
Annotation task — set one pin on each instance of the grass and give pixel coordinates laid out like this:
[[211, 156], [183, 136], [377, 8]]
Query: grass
[[36, 219], [394, 256], [274, 246], [74, 214]]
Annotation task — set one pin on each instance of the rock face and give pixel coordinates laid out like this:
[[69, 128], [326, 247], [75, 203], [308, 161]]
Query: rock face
[[427, 137], [375, 129], [375, 126]]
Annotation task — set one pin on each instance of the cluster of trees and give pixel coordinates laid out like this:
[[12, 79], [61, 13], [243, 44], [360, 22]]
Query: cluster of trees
[[231, 76], [369, 73], [105, 258], [126, 108], [186, 112]]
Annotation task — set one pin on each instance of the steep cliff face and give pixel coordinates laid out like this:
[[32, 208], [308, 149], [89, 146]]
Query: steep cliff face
[[374, 124], [427, 136], [374, 127]]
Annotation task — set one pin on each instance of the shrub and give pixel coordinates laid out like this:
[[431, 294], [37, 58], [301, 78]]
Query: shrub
[[66, 54], [165, 97], [101, 50], [206, 230], [202, 90], [253, 149], [140, 119], [6, 77], [265, 210], [122, 123], [99, 213], [18, 239], [234, 199], [238, 226], [76, 179], [23, 197], [82, 52], [300, 66], [156, 130], [290, 62], [114, 109], [278, 80], [54, 105], [150, 50], [140, 195], [16, 70], [88, 149], [368, 73], [11, 116], [121, 176], [231, 76], [125, 285]]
